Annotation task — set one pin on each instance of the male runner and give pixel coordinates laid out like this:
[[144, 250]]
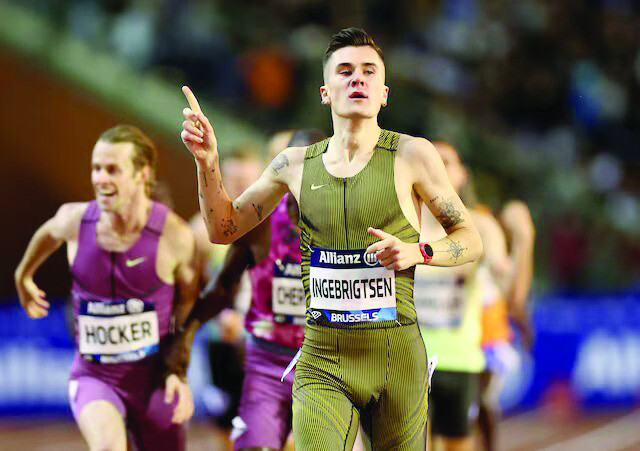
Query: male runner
[[133, 267], [275, 320], [358, 192], [449, 304]]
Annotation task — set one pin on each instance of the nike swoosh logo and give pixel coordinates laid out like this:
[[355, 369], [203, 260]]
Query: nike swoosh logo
[[135, 262], [315, 187]]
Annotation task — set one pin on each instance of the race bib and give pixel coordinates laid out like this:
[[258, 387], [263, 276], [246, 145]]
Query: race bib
[[119, 331], [350, 287], [287, 293], [439, 301]]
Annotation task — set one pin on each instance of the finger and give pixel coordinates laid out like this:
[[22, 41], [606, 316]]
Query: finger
[[35, 312], [193, 103], [205, 122], [41, 302], [170, 391], [387, 253], [378, 233], [191, 128], [379, 246], [186, 136]]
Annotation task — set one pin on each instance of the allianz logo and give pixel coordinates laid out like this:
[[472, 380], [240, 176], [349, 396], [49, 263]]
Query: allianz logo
[[133, 305], [608, 364], [355, 258]]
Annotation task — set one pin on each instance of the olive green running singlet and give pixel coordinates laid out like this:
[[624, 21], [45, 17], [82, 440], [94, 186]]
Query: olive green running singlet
[[363, 359]]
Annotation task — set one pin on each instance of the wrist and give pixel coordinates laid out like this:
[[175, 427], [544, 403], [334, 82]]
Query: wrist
[[208, 162], [426, 252]]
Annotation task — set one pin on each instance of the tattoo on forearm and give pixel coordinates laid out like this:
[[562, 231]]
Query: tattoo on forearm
[[200, 195], [279, 162], [449, 216], [229, 227], [455, 250], [258, 209], [204, 177]]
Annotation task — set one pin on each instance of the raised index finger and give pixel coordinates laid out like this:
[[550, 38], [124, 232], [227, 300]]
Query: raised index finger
[[193, 103]]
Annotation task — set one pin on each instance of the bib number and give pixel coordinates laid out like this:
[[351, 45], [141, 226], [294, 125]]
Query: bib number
[[288, 301], [439, 302], [115, 332], [350, 287]]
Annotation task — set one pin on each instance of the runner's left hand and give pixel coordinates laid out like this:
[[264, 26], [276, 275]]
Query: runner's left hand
[[393, 253], [183, 410]]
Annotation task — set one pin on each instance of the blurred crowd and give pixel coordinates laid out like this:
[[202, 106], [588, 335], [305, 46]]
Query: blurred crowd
[[541, 97]]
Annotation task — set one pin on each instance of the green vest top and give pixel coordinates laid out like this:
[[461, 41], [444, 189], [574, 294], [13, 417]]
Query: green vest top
[[335, 213]]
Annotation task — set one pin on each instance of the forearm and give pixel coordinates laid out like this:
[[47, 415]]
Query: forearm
[[522, 257], [462, 245], [41, 246], [216, 206]]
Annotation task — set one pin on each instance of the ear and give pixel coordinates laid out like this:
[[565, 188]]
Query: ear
[[145, 174], [325, 98], [385, 96]]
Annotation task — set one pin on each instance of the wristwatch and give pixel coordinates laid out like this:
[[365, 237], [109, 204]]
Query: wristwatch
[[427, 252]]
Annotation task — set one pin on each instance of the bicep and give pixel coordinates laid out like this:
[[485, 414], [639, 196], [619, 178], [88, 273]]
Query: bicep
[[431, 183]]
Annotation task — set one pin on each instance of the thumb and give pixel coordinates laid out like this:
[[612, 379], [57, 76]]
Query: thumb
[[170, 391], [378, 233]]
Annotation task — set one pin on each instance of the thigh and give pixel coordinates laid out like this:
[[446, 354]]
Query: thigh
[[150, 425], [399, 419], [264, 416], [453, 397], [99, 412], [323, 415]]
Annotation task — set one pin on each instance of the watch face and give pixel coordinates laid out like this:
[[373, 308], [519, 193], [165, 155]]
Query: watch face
[[428, 250]]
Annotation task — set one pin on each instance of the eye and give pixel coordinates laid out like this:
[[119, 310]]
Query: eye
[[345, 72], [369, 72]]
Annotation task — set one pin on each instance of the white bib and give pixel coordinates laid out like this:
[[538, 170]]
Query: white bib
[[287, 293], [350, 286], [115, 332], [439, 302]]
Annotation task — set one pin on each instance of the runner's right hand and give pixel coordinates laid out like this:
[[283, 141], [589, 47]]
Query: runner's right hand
[[32, 298], [197, 133]]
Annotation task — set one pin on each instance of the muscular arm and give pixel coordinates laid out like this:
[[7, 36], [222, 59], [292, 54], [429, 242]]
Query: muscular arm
[[181, 241], [430, 181], [217, 295], [47, 239]]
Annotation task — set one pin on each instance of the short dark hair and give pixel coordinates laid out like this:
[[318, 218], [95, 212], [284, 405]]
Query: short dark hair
[[306, 137], [144, 150], [350, 37]]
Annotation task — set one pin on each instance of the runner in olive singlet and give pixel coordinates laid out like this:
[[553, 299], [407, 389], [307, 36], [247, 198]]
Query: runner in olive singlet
[[359, 194]]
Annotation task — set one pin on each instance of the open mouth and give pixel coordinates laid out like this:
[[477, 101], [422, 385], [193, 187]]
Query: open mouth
[[357, 95]]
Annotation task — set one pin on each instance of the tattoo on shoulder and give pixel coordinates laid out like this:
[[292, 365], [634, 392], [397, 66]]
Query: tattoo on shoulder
[[229, 227], [258, 209], [279, 162], [449, 216]]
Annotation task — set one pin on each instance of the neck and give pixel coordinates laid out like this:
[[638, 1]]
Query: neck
[[131, 218], [354, 136]]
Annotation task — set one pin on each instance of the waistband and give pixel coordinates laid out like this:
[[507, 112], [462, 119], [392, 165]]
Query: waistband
[[270, 346]]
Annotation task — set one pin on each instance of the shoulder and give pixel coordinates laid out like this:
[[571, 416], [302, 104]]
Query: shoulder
[[66, 222], [414, 149], [287, 162]]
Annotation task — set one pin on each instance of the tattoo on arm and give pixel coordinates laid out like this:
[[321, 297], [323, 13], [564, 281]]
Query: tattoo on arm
[[456, 251], [279, 162], [258, 209], [204, 177], [449, 216], [200, 195], [229, 226]]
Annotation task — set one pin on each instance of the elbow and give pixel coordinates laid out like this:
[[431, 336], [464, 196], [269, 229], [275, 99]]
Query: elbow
[[477, 248], [218, 238]]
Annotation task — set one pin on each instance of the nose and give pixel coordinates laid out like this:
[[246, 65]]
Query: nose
[[357, 80], [100, 176]]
